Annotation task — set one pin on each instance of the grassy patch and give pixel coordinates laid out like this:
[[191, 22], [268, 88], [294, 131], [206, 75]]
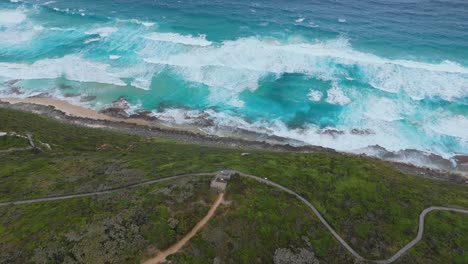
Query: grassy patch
[[111, 228], [372, 206], [8, 142]]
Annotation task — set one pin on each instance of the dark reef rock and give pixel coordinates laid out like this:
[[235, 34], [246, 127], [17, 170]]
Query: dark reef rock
[[10, 83], [146, 115], [356, 131], [332, 132], [71, 95], [63, 86], [15, 90], [118, 108]]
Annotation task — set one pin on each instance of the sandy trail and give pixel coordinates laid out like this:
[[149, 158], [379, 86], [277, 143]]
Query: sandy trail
[[177, 246]]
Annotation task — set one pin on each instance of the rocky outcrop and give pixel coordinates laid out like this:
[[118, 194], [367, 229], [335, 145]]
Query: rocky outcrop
[[294, 256], [462, 162], [146, 115], [331, 131], [118, 108], [366, 131]]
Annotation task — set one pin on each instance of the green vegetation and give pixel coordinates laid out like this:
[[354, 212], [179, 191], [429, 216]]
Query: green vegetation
[[9, 142], [371, 205], [258, 220], [443, 230], [110, 228]]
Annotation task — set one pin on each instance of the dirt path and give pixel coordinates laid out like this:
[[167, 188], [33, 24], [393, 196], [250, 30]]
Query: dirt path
[[177, 246], [265, 181]]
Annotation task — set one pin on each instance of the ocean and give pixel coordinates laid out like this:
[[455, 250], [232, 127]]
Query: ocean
[[343, 74]]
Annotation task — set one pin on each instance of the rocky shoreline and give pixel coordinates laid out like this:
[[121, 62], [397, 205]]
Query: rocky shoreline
[[119, 120]]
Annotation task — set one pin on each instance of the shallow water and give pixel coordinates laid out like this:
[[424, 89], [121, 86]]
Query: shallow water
[[388, 73]]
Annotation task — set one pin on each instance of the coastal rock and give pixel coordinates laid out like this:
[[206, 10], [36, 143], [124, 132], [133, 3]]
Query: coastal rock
[[71, 94], [63, 86], [461, 159], [15, 90], [10, 83], [462, 162], [171, 105], [121, 103], [203, 120], [145, 115], [424, 158], [115, 112], [118, 108], [356, 131], [378, 151], [331, 131]]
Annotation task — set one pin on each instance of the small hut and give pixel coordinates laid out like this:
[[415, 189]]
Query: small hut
[[218, 184]]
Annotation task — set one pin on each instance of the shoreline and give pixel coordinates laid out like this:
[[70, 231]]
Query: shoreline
[[73, 114]]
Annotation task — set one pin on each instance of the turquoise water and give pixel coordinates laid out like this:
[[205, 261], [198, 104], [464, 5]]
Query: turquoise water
[[397, 70]]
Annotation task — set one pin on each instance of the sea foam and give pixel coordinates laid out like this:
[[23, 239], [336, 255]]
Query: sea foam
[[11, 17], [71, 67], [179, 39], [322, 60], [102, 31]]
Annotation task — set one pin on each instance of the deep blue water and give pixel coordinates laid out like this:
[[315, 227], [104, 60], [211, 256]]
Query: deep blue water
[[397, 69]]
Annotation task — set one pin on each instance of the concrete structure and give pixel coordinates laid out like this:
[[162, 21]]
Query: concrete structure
[[218, 184], [225, 174]]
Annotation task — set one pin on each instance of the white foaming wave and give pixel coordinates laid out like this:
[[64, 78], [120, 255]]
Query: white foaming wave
[[102, 31], [177, 116], [62, 29], [71, 67], [177, 38], [322, 60], [383, 109], [336, 96], [142, 83], [91, 40], [418, 84], [144, 23], [11, 17], [386, 134], [16, 36], [114, 57], [315, 95], [300, 20], [455, 126]]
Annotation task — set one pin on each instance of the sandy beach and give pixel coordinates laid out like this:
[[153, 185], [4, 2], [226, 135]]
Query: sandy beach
[[83, 112]]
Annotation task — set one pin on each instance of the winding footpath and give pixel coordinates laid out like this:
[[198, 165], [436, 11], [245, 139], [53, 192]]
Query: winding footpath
[[161, 256], [276, 185]]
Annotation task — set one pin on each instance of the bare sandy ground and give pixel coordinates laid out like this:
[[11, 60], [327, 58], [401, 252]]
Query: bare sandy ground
[[161, 256], [67, 108], [83, 112]]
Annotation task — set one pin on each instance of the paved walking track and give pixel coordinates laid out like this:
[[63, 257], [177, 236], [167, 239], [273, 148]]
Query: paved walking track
[[263, 180]]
